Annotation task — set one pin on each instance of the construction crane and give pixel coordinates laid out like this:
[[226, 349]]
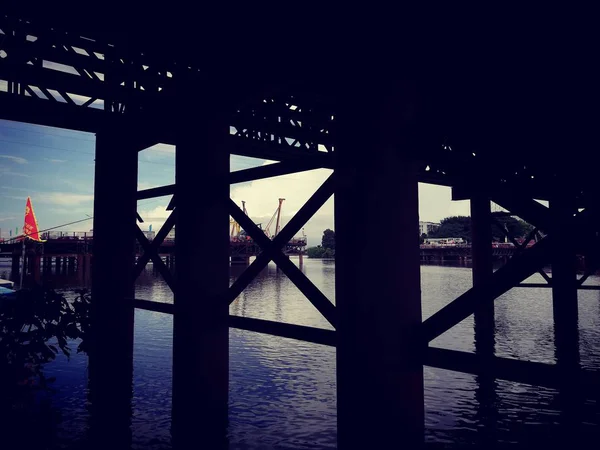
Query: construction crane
[[276, 214], [235, 227]]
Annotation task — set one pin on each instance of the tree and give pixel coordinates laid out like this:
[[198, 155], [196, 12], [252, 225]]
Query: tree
[[328, 240], [516, 227], [460, 227], [315, 252], [453, 227]]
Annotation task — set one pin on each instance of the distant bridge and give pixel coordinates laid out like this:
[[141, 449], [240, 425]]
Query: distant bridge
[[462, 252], [77, 243]]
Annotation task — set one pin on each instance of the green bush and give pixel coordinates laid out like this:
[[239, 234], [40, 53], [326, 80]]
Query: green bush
[[34, 328]]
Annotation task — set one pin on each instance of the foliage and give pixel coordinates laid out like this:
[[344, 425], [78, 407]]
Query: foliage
[[460, 227], [328, 240], [453, 227], [517, 228], [34, 328], [320, 252]]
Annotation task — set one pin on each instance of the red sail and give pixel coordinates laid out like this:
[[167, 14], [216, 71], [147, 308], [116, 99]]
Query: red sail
[[30, 229]]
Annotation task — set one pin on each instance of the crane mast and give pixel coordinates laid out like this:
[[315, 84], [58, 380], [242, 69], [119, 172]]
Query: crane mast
[[278, 224]]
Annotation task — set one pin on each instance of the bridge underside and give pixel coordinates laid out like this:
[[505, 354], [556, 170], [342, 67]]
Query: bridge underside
[[485, 130]]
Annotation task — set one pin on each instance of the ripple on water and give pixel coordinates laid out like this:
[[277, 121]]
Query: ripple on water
[[282, 392]]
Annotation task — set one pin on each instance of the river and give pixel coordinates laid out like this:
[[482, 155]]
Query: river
[[282, 391]]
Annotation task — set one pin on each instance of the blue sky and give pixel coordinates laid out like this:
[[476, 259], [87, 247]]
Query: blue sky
[[56, 168]]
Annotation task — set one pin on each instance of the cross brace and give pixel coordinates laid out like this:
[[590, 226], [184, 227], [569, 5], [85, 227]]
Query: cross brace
[[272, 251]]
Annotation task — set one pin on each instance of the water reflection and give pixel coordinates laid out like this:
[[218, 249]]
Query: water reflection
[[282, 392]]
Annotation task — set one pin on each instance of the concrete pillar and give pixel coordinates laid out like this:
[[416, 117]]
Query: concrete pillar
[[379, 369], [300, 259], [201, 333], [111, 361]]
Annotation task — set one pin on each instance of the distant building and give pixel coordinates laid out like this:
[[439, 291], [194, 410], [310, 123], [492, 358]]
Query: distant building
[[427, 227]]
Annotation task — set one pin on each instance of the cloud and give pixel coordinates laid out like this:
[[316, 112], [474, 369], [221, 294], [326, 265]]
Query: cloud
[[4, 170], [261, 197], [62, 198], [435, 203], [56, 160], [3, 219], [15, 159]]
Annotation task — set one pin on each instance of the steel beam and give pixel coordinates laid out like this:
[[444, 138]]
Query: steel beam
[[281, 168], [272, 251]]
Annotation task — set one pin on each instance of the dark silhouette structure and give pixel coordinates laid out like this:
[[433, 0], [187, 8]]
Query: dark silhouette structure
[[502, 120]]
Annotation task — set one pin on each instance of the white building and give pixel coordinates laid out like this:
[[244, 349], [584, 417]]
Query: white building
[[427, 227]]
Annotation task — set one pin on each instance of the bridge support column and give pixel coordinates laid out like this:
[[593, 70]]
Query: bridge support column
[[35, 268], [565, 309], [111, 360], [80, 266], [482, 262], [481, 253], [71, 264], [379, 368], [15, 267], [201, 331]]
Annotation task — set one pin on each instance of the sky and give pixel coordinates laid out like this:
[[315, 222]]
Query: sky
[[55, 167]]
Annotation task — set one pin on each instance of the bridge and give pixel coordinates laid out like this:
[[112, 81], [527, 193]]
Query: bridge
[[463, 252], [72, 251], [509, 124]]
